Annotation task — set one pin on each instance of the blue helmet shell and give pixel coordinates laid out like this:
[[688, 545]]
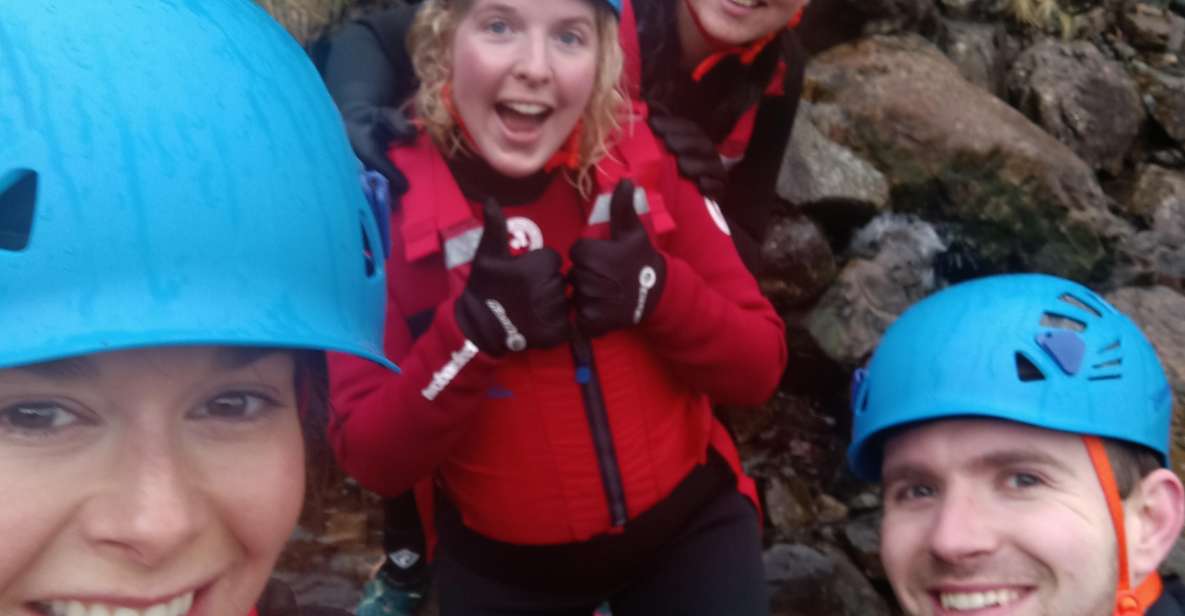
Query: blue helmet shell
[[174, 173], [1028, 348]]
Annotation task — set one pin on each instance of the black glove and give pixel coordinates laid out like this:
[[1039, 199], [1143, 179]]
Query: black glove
[[618, 281], [696, 155], [512, 303]]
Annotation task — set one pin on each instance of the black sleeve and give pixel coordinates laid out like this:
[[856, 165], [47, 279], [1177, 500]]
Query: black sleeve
[[368, 61], [369, 73], [752, 184]]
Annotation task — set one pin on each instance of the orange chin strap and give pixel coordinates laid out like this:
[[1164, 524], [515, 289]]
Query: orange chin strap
[[1128, 602], [746, 54]]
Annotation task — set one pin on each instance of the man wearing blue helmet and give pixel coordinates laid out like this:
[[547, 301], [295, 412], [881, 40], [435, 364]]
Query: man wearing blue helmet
[[1019, 426], [178, 249]]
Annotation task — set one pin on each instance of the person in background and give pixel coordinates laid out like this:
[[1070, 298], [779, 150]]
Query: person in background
[[183, 235], [566, 308], [1019, 426], [722, 79]]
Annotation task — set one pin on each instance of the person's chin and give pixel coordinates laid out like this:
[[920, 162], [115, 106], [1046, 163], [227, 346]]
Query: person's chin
[[515, 164]]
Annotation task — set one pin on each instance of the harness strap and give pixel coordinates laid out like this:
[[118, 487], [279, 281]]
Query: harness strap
[[1128, 602]]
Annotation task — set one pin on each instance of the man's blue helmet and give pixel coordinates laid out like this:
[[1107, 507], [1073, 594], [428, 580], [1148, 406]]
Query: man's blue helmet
[[174, 173], [1029, 348]]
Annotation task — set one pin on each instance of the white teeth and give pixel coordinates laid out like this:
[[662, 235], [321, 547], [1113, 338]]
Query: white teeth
[[746, 3], [176, 607], [527, 108], [965, 601]]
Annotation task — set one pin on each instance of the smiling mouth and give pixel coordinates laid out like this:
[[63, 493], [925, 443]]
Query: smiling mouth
[[970, 601], [521, 117], [178, 606], [749, 4]]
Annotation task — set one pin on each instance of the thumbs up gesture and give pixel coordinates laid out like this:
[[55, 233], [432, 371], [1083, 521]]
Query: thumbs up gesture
[[616, 282], [512, 303]]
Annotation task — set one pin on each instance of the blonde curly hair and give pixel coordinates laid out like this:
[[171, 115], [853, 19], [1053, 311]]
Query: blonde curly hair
[[430, 42]]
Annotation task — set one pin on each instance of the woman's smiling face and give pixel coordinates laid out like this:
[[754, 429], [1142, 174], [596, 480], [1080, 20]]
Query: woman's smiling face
[[147, 479], [523, 73]]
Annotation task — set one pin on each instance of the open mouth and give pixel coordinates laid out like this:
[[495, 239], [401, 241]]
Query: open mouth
[[522, 119], [748, 4], [975, 601], [177, 606]]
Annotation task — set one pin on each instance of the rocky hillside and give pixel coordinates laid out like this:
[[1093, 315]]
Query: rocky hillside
[[940, 140]]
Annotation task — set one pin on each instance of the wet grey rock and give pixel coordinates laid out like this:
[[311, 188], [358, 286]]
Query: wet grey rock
[[955, 154], [981, 51], [805, 581], [788, 503], [1083, 99], [798, 261], [1164, 96], [1157, 252], [892, 268], [862, 538], [817, 171], [1152, 28]]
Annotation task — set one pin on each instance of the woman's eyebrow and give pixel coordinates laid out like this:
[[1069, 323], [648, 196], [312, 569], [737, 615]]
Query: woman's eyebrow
[[68, 368], [236, 358]]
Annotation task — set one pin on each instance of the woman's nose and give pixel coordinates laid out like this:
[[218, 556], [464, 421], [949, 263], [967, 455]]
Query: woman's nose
[[533, 64], [150, 505]]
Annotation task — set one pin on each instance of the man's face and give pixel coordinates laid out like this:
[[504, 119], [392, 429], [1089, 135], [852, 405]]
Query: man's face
[[995, 518]]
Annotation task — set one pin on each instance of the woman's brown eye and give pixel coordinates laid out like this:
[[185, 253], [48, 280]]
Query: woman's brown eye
[[236, 406], [36, 417]]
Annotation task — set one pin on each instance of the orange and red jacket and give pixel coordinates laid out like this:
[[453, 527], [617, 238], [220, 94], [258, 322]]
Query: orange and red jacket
[[510, 439]]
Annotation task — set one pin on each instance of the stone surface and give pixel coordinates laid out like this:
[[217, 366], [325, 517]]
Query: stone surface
[[1156, 253], [798, 261], [958, 155], [1151, 27], [892, 269], [981, 51], [1164, 96], [807, 581], [817, 171], [1083, 99]]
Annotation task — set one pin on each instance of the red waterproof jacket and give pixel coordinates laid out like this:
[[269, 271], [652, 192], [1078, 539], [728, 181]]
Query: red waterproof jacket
[[510, 439]]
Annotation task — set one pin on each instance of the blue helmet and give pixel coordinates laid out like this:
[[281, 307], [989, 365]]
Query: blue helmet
[[615, 5], [1029, 348], [174, 173]]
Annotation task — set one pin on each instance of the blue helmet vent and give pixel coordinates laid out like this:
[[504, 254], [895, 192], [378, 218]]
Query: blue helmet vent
[[1081, 304], [1026, 370], [1060, 321], [18, 200], [1065, 347]]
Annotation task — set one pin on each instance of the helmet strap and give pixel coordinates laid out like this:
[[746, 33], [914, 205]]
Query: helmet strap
[[1128, 602], [746, 53]]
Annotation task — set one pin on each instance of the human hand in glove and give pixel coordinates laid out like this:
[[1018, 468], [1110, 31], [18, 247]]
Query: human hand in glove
[[616, 282], [695, 154], [512, 303], [372, 130]]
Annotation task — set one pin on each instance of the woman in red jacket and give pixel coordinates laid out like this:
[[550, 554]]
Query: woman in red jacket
[[562, 333]]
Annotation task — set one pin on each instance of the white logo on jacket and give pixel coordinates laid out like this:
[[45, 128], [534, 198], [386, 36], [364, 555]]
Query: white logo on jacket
[[524, 235]]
